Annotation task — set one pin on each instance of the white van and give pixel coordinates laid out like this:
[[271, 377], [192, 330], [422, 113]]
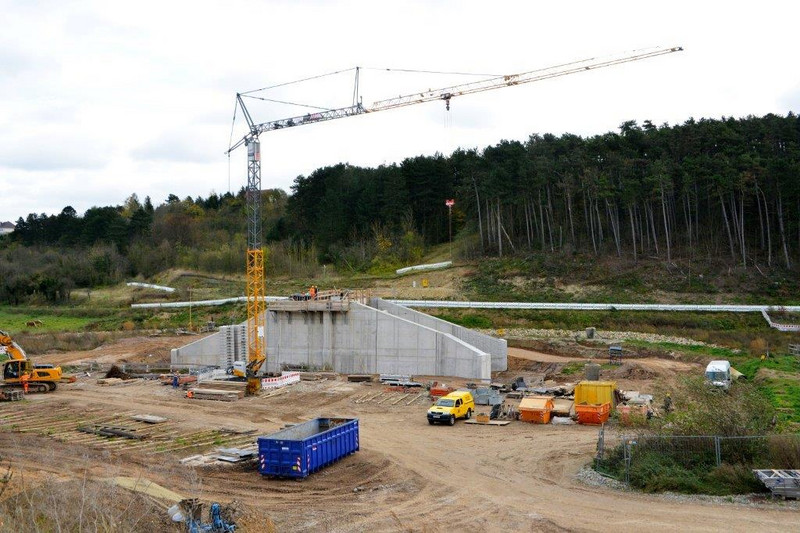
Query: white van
[[718, 373]]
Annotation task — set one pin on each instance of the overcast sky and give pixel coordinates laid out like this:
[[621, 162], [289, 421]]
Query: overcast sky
[[102, 99]]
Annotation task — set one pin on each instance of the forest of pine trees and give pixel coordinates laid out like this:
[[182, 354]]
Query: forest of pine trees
[[718, 189]]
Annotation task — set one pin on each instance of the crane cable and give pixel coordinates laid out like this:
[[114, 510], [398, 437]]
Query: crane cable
[[298, 81], [416, 71], [287, 103], [230, 143]]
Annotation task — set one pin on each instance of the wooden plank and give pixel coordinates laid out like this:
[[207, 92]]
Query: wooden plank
[[490, 423], [218, 384], [400, 399]]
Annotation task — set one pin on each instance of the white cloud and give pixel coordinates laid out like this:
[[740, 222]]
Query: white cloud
[[102, 99]]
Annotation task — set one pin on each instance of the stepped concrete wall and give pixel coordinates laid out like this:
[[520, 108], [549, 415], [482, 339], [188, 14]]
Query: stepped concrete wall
[[362, 340]]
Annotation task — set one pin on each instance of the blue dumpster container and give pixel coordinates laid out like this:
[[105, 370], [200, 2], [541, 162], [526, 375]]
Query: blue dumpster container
[[305, 448]]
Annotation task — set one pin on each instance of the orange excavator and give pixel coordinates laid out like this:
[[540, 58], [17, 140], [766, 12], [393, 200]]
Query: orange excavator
[[18, 369]]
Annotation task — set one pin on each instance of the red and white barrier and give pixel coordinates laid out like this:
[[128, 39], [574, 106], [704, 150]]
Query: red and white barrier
[[286, 378]]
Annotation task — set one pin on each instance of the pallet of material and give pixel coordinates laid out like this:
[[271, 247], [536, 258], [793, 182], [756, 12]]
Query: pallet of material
[[359, 378], [214, 394], [220, 384]]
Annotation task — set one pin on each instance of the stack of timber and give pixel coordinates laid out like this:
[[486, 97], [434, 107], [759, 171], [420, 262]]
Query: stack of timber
[[215, 394], [226, 391], [222, 384], [359, 378]]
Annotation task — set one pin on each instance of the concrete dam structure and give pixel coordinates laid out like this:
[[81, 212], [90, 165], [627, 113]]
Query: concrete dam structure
[[350, 337]]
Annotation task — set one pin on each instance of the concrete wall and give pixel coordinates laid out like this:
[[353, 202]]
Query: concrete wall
[[220, 349], [498, 348], [371, 341], [361, 340]]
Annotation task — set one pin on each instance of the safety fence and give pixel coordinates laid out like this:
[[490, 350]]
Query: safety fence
[[618, 454], [286, 378]]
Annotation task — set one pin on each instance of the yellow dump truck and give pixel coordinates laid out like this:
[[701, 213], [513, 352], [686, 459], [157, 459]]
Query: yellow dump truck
[[447, 409]]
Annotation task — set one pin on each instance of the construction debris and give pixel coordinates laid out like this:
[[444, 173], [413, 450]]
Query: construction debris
[[146, 487], [111, 431], [563, 407], [489, 423], [397, 380], [784, 483], [235, 455], [10, 395], [109, 381], [169, 379], [439, 389], [486, 396], [116, 372]]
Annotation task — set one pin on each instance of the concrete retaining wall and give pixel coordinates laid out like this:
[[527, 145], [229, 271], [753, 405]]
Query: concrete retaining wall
[[498, 348], [370, 341], [361, 340]]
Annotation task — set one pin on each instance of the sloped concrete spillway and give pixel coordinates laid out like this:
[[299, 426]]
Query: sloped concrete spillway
[[379, 338]]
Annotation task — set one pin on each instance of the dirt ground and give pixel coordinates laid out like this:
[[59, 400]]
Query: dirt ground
[[407, 476]]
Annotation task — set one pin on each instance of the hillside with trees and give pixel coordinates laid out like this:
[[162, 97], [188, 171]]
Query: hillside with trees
[[722, 190]]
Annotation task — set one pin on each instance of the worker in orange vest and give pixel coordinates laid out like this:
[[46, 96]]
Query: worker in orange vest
[[24, 380]]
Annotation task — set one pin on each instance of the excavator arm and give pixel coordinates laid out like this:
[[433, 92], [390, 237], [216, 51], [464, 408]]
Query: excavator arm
[[41, 378], [11, 348]]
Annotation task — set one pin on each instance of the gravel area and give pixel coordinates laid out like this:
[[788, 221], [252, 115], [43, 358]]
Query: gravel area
[[600, 336], [589, 476]]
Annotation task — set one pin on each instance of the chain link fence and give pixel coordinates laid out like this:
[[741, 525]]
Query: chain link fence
[[620, 455]]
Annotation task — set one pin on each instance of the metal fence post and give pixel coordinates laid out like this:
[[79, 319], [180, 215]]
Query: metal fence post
[[627, 458], [717, 450], [601, 443]]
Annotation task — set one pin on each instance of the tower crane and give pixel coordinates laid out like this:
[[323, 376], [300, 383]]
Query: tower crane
[[256, 305]]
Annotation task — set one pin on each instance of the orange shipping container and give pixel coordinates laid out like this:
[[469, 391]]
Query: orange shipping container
[[536, 409]]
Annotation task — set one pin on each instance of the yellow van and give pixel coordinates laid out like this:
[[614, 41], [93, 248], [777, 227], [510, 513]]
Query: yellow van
[[458, 404]]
